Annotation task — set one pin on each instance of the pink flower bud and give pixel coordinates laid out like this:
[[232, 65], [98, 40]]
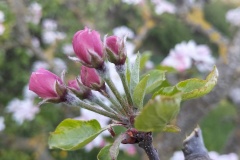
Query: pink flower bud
[[78, 89], [46, 85], [88, 47], [73, 84], [116, 50], [91, 79]]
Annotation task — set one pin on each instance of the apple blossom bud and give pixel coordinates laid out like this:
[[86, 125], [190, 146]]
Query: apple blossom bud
[[115, 50], [88, 47], [78, 89], [91, 79], [47, 85]]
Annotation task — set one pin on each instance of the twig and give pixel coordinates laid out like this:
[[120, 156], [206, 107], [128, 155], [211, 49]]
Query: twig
[[145, 142]]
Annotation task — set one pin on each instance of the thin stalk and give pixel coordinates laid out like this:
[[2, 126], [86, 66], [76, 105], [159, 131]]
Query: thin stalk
[[117, 94], [101, 104], [84, 105], [116, 104], [121, 72], [104, 73]]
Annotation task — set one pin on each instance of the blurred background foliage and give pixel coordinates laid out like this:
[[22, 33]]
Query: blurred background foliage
[[29, 140]]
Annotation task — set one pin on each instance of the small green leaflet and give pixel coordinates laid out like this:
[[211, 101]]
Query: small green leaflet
[[73, 134], [158, 113], [194, 88], [128, 71], [104, 153], [134, 79], [139, 92], [145, 56], [110, 152], [155, 80], [167, 91], [191, 88]]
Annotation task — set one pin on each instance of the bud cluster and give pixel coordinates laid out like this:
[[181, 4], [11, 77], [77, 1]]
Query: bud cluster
[[93, 53]]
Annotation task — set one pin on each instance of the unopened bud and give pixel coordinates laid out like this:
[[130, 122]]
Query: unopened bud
[[116, 51], [47, 85], [88, 47], [91, 79]]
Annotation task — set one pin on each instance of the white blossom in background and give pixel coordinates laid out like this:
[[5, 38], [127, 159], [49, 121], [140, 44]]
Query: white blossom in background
[[131, 2], [122, 31], [2, 125], [50, 33], [230, 156], [163, 6], [68, 49], [34, 13], [234, 95], [2, 19], [232, 16], [59, 65], [28, 94], [203, 59], [2, 16], [149, 65], [49, 24], [178, 57], [187, 53], [2, 29], [39, 64], [22, 110], [98, 142], [35, 42], [178, 155], [213, 155], [130, 149], [50, 37]]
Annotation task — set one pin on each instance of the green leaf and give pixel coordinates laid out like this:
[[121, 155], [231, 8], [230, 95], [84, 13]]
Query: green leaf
[[135, 74], [128, 71], [193, 88], [167, 91], [158, 113], [155, 80], [110, 152], [73, 134], [171, 128], [166, 68], [139, 92], [114, 149], [144, 58], [104, 153]]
